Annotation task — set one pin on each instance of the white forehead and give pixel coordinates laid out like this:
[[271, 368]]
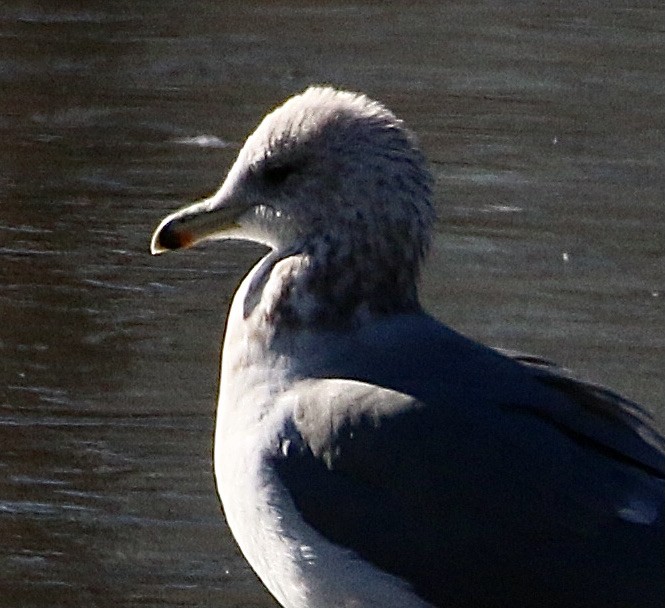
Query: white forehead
[[319, 113]]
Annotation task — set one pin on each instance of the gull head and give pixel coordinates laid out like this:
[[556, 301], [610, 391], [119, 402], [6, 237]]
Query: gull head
[[327, 165]]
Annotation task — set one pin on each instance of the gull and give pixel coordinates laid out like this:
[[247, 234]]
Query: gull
[[367, 455]]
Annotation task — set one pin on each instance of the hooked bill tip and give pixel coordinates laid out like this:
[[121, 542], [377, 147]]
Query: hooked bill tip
[[169, 237]]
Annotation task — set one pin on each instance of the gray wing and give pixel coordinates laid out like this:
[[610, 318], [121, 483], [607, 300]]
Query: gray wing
[[418, 356], [469, 474], [595, 415]]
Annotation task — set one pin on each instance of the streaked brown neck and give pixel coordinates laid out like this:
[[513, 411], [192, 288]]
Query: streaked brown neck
[[333, 284]]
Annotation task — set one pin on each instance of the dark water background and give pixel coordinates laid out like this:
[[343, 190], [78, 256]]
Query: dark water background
[[544, 124]]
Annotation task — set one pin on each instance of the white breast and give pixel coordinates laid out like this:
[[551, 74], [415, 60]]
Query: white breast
[[298, 565]]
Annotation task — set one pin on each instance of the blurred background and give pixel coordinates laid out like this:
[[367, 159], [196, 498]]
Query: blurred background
[[543, 123]]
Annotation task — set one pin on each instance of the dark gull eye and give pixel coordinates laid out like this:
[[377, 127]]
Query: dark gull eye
[[276, 175]]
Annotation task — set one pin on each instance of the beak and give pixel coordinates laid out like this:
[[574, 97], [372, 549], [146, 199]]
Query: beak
[[190, 225]]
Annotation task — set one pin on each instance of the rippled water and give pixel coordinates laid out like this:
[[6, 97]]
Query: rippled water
[[544, 125]]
